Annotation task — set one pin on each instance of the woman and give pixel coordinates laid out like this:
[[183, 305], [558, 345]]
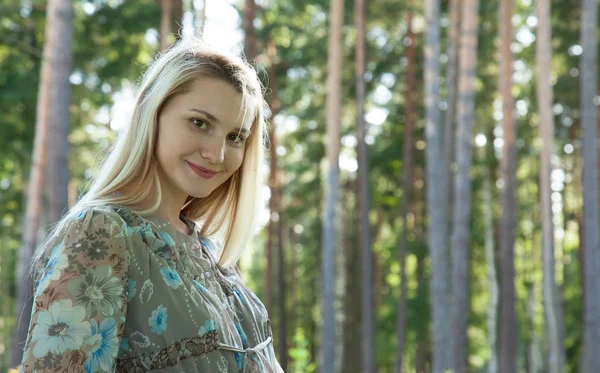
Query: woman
[[127, 281]]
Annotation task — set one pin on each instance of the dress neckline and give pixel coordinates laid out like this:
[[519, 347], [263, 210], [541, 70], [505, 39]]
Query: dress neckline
[[163, 223]]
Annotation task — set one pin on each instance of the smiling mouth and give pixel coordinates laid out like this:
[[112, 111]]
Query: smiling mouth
[[202, 172]]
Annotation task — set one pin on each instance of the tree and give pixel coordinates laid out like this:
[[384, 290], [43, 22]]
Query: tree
[[334, 117], [276, 222], [250, 42], [449, 131], [366, 258], [436, 193], [178, 18], [165, 23], [508, 320], [52, 108], [552, 303], [57, 174], [462, 181], [491, 273], [352, 310], [407, 165], [591, 221]]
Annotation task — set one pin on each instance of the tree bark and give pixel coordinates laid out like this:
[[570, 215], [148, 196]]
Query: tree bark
[[352, 321], [249, 30], [165, 23], [53, 75], [276, 223], [436, 194], [334, 115], [491, 272], [591, 221], [534, 361], [273, 228], [178, 16], [366, 256], [450, 118], [508, 321], [407, 165], [57, 174], [462, 181], [556, 357]]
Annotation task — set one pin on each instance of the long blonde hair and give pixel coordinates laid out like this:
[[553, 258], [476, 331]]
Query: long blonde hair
[[231, 210]]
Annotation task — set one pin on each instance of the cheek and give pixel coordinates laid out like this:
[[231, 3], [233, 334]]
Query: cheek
[[235, 160]]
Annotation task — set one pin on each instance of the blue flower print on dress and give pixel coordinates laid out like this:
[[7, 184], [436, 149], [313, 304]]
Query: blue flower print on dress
[[56, 263], [167, 238], [171, 277], [124, 346], [158, 320], [209, 326], [131, 290], [60, 328], [99, 291], [103, 346]]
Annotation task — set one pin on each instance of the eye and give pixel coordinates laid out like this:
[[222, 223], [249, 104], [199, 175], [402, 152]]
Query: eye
[[236, 138], [200, 123]]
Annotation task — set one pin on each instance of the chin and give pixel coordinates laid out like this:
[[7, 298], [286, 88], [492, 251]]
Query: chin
[[202, 194]]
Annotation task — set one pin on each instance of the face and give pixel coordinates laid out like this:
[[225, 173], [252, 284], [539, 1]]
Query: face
[[201, 139]]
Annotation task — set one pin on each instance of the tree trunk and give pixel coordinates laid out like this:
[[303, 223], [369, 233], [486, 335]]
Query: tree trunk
[[366, 257], [165, 23], [334, 116], [589, 118], [282, 289], [54, 75], [352, 295], [436, 193], [449, 131], [508, 321], [57, 174], [418, 207], [534, 361], [491, 272], [557, 357], [249, 30], [407, 165], [178, 16], [276, 224], [462, 181], [273, 180]]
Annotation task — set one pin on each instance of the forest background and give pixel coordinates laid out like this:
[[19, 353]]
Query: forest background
[[432, 203]]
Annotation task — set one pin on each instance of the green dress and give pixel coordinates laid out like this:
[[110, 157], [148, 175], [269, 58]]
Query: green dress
[[124, 293]]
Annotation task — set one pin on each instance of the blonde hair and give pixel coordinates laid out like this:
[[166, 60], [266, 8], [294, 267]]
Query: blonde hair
[[231, 210]]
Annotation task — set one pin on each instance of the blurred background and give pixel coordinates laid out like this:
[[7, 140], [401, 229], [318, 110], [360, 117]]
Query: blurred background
[[432, 203]]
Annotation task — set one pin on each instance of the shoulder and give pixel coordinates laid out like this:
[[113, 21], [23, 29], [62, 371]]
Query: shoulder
[[94, 232]]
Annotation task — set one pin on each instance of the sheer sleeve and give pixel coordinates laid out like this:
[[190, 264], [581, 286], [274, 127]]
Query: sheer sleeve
[[80, 302]]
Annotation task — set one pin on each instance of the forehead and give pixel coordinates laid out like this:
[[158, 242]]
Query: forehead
[[220, 99]]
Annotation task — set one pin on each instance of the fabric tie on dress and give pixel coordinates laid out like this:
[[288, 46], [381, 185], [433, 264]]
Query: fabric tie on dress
[[255, 361]]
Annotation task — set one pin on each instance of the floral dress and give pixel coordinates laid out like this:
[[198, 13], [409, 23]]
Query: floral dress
[[120, 292]]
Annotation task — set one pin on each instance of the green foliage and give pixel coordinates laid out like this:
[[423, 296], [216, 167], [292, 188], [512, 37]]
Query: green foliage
[[113, 43]]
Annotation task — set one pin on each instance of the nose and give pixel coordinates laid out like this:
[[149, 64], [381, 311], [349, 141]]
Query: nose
[[213, 150]]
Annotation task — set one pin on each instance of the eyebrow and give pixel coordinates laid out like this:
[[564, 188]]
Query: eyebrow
[[216, 120]]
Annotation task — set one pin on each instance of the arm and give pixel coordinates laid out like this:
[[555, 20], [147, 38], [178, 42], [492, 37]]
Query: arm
[[80, 303]]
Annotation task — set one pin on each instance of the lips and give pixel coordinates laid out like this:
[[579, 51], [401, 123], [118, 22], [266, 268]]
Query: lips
[[201, 171]]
